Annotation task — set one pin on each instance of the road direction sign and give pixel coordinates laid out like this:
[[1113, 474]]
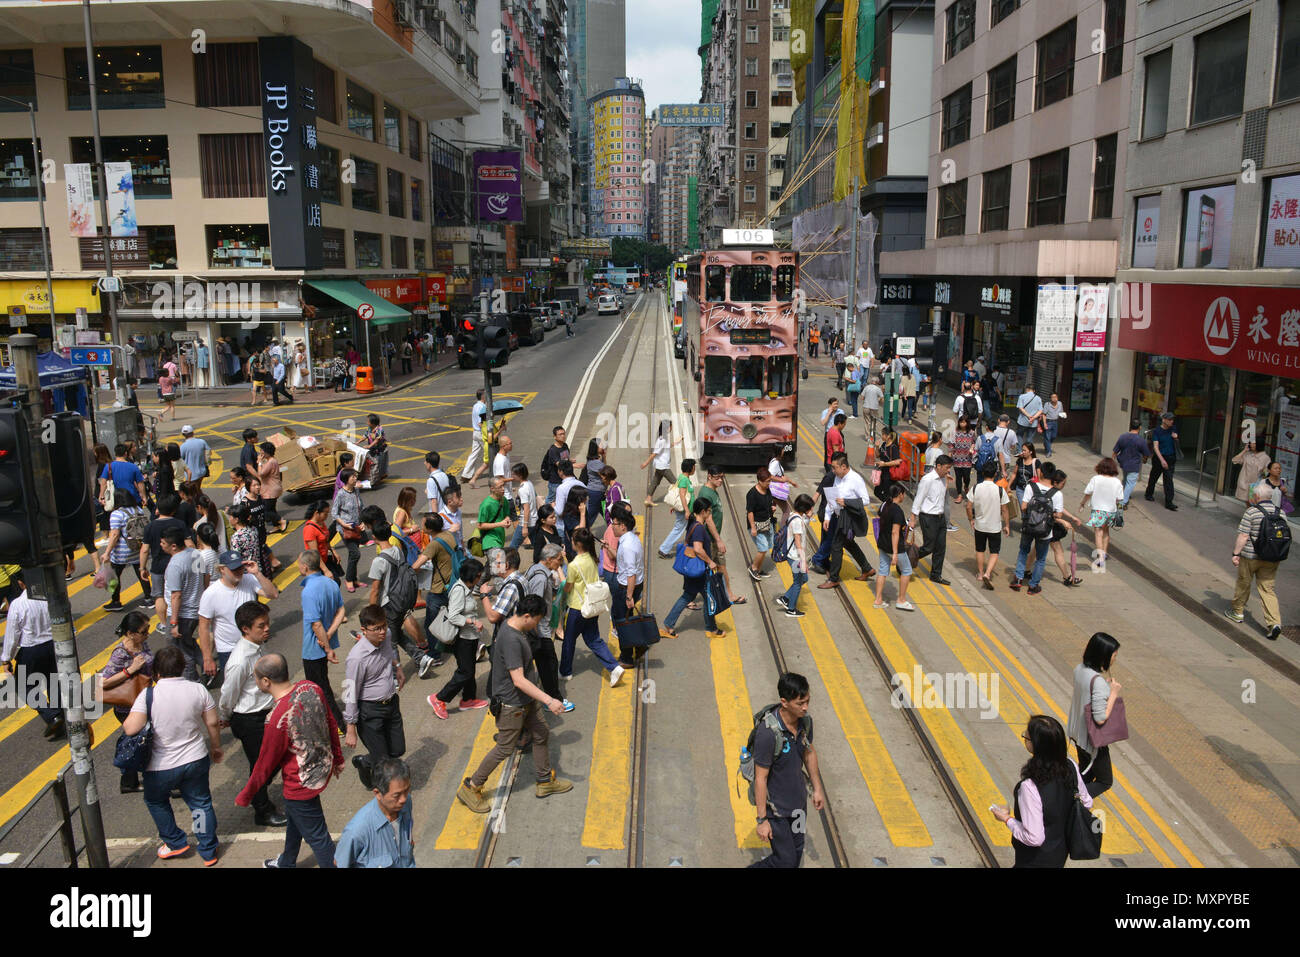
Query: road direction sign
[[366, 311], [91, 357], [907, 345], [109, 284]]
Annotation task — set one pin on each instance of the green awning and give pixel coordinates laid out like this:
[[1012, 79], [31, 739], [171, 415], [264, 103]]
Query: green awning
[[353, 294]]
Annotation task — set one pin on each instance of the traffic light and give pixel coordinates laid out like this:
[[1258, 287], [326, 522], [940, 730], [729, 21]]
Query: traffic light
[[931, 354], [19, 530], [494, 343], [74, 485], [468, 349]]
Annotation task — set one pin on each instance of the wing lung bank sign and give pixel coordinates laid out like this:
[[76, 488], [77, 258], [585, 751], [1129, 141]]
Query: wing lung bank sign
[[499, 186], [1254, 328], [289, 142]]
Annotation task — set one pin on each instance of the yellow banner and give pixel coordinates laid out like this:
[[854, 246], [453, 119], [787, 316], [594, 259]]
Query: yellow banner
[[69, 295]]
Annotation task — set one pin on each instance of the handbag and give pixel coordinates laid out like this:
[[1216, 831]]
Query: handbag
[[780, 490], [1083, 831], [640, 631], [715, 594], [689, 566], [133, 751], [674, 499], [875, 477], [597, 600], [442, 629], [913, 553], [123, 695], [1114, 730]]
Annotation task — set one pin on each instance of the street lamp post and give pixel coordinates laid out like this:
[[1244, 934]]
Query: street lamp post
[[40, 200]]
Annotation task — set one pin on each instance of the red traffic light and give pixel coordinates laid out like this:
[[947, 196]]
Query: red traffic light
[[468, 325]]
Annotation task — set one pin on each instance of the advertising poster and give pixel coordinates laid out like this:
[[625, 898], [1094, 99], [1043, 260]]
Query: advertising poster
[[121, 199], [1054, 325], [1094, 306], [81, 199], [1146, 232], [1288, 444], [1282, 224], [1207, 227], [499, 186], [1081, 382]]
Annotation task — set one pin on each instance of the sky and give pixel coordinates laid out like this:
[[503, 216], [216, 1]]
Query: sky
[[663, 37]]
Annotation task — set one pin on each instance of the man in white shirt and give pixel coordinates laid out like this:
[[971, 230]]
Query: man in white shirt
[[828, 413], [967, 401], [629, 574], [987, 510], [240, 582], [29, 645], [1008, 442], [980, 368], [1030, 407], [927, 511], [451, 514], [866, 357], [278, 389], [243, 706], [569, 485], [435, 486], [1041, 537], [501, 465], [474, 464], [836, 535]]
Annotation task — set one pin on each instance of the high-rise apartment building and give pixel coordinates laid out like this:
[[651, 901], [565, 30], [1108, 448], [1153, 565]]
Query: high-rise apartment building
[[616, 197], [675, 151], [597, 31]]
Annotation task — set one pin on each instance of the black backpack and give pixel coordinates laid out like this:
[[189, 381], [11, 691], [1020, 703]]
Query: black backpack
[[402, 587], [971, 407], [1039, 513], [1273, 543]]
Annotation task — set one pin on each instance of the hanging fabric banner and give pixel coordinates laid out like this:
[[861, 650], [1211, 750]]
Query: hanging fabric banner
[[81, 199], [121, 199]]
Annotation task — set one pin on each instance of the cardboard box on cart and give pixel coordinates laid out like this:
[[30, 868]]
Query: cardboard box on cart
[[295, 470]]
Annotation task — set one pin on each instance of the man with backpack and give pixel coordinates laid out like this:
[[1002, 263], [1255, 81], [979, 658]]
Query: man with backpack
[[1263, 542], [555, 454], [540, 580], [395, 588], [499, 607], [968, 403], [780, 748], [1042, 505], [438, 483]]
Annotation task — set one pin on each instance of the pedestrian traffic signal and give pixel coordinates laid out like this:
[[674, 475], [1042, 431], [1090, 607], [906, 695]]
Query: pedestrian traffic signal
[[74, 485], [19, 530], [467, 343], [494, 344], [931, 354]]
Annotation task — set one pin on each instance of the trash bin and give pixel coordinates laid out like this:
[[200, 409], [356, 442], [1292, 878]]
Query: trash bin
[[365, 379], [911, 447]]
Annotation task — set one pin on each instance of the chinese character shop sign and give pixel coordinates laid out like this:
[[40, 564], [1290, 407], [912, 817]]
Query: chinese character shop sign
[[691, 114], [1253, 328], [289, 143], [1282, 228]]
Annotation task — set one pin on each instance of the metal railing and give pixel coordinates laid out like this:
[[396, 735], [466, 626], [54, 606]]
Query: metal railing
[[1200, 475], [61, 829]]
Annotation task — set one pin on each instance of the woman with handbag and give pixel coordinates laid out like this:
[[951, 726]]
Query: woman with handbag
[[461, 614], [962, 449], [1093, 714], [128, 672], [346, 512], [694, 563], [1044, 797], [586, 596], [888, 457], [316, 537]]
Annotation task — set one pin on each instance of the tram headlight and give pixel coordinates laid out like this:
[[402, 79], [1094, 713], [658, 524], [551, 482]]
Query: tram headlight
[[749, 431]]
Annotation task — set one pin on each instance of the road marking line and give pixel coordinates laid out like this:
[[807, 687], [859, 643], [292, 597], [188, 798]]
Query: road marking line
[[463, 828], [735, 720], [609, 794]]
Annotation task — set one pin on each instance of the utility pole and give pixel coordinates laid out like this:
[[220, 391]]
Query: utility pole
[[22, 349], [487, 373], [851, 300]]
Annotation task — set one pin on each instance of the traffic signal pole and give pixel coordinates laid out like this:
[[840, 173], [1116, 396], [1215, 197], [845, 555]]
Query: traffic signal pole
[[487, 372], [54, 589]]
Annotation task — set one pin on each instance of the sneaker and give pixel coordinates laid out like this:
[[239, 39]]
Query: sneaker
[[568, 705], [1015, 584], [1233, 616], [904, 606], [780, 600], [163, 629], [438, 706], [166, 853], [615, 675], [426, 665], [473, 704], [714, 634], [273, 862], [482, 653], [473, 798], [566, 677], [363, 771], [1274, 633], [793, 613], [208, 862], [113, 606], [553, 786], [952, 527], [1035, 589]]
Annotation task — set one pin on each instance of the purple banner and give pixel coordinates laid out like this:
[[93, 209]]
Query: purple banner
[[499, 186]]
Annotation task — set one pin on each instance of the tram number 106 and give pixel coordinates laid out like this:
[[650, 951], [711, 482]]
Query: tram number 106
[[748, 237]]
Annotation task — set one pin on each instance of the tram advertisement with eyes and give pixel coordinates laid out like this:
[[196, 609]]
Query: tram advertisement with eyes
[[740, 315]]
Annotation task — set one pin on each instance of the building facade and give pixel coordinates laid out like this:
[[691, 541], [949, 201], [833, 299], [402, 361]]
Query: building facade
[[597, 38], [616, 198]]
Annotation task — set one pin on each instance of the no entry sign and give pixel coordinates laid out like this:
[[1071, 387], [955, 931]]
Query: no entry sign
[[366, 311]]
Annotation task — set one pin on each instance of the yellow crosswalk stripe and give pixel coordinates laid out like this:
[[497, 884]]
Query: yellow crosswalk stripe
[[609, 796], [888, 791], [736, 720], [463, 828]]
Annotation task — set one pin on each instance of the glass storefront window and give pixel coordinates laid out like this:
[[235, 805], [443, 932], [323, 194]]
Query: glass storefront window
[[1153, 386], [238, 246]]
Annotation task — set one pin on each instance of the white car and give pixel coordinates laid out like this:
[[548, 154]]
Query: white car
[[607, 305]]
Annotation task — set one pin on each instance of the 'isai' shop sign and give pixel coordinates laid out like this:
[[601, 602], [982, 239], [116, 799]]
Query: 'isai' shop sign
[[289, 147]]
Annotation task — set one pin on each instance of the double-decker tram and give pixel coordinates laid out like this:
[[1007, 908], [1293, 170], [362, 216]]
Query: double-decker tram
[[676, 293], [741, 333]]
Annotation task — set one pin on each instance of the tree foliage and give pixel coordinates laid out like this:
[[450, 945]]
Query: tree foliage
[[634, 252]]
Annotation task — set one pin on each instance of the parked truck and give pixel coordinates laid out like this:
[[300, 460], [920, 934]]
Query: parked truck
[[576, 294]]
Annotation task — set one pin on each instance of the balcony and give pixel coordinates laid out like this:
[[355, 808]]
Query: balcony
[[784, 81]]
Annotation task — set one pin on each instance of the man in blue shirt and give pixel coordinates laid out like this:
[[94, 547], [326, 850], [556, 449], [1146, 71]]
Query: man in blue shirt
[[194, 453], [1164, 446], [124, 475], [322, 616], [379, 835], [1130, 452]]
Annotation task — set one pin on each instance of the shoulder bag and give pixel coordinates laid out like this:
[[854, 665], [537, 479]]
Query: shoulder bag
[[1083, 829], [639, 631], [674, 498], [1114, 730], [123, 695], [134, 750], [688, 565], [597, 599]]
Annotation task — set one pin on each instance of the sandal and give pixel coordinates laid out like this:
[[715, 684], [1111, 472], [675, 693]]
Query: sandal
[[1073, 581], [694, 606], [667, 633], [740, 600]]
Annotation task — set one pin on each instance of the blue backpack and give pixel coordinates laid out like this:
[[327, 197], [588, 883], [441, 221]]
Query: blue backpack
[[987, 452], [455, 554]]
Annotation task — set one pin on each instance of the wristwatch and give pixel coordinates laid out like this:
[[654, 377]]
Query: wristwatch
[[760, 820]]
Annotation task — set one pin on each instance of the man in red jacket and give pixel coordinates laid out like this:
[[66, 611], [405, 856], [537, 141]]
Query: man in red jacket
[[301, 741]]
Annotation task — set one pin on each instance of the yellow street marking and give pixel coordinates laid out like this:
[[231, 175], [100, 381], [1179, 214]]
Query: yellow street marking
[[16, 798], [463, 828], [736, 720], [610, 793], [893, 802]]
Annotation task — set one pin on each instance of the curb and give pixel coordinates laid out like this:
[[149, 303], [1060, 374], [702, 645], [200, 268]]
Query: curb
[[348, 397]]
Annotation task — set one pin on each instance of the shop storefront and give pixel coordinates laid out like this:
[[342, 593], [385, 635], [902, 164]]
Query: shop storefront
[[1226, 361], [70, 296]]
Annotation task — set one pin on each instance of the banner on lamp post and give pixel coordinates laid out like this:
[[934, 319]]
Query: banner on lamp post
[[81, 199], [121, 199], [499, 186]]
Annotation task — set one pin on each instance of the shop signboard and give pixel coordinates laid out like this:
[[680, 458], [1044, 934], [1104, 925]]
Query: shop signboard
[[1094, 307], [396, 290], [1288, 443], [81, 198], [129, 252], [1146, 232], [1253, 328], [69, 294], [121, 199], [1054, 326], [498, 186], [436, 288], [289, 142], [692, 114], [1282, 224]]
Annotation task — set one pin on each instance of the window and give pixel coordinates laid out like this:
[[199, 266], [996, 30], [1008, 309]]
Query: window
[[365, 191], [751, 162], [1103, 178], [127, 78], [1002, 94], [226, 75], [751, 131], [232, 246], [952, 209], [751, 194], [451, 40], [20, 249], [780, 376], [960, 31], [471, 63], [995, 206], [17, 170], [749, 377], [1288, 53], [1155, 99], [333, 243], [715, 289], [751, 98], [151, 171], [413, 138], [751, 283], [1112, 58], [1003, 9], [327, 163], [417, 200], [1055, 79], [783, 99], [785, 283], [751, 4], [396, 193], [327, 97], [717, 369], [421, 255], [751, 66], [1219, 77], [231, 165], [774, 193], [1047, 177], [780, 66], [17, 79], [369, 250], [780, 34], [392, 127], [398, 247], [956, 117], [162, 246], [751, 33], [361, 111]]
